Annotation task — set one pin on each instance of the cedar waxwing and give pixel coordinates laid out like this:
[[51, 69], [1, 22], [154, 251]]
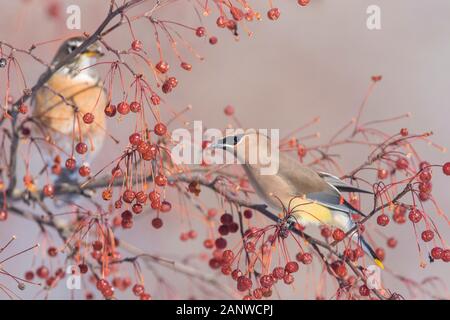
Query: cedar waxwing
[[311, 197]]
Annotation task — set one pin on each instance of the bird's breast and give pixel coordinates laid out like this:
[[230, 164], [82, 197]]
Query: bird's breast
[[63, 98]]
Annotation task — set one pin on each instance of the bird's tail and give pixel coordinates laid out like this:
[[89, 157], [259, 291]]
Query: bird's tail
[[369, 250]]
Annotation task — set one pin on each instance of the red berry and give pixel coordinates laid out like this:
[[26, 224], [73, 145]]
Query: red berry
[[145, 296], [29, 275], [155, 99], [97, 245], [248, 214], [167, 87], [278, 273], [137, 208], [71, 164], [244, 283], [84, 170], [425, 176], [382, 174], [102, 284], [23, 108], [135, 106], [404, 132], [52, 252], [138, 289], [392, 242], [291, 267], [42, 272], [110, 110], [83, 268], [161, 180], [166, 206], [162, 66], [126, 215], [339, 268], [229, 110], [237, 13], [128, 196], [172, 81], [154, 196], [399, 214], [135, 139], [427, 235], [200, 31], [48, 190], [221, 243], [186, 66], [123, 108], [380, 253], [160, 129], [221, 22], [425, 187], [214, 263], [287, 279], [446, 168], [402, 163], [364, 290], [157, 223], [305, 258], [226, 219], [273, 14], [436, 253], [136, 45], [223, 230], [213, 40], [415, 215], [325, 232], [303, 2], [234, 227], [383, 220], [338, 234], [446, 255], [266, 281], [127, 223], [88, 118], [81, 147]]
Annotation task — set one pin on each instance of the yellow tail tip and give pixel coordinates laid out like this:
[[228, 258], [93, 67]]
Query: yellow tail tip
[[379, 263]]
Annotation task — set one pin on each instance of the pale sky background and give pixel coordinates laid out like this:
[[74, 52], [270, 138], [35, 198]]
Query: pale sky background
[[313, 61]]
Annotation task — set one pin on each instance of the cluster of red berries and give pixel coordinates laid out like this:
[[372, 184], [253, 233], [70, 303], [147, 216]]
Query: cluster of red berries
[[139, 291], [105, 288], [266, 281], [137, 200], [226, 227], [43, 273]]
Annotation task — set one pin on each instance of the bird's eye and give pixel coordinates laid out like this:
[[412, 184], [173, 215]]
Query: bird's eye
[[71, 48]]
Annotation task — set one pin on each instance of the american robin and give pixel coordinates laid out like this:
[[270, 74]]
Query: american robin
[[314, 198], [69, 108]]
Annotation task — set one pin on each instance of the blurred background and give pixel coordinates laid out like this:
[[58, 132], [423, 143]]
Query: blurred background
[[314, 61]]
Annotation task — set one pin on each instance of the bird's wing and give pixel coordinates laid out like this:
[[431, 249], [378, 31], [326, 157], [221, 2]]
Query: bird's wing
[[341, 185], [333, 199]]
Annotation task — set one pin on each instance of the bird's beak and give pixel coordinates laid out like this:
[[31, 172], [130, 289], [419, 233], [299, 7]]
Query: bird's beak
[[215, 146]]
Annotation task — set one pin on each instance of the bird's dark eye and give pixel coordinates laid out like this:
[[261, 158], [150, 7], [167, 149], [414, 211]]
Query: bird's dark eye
[[71, 48]]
